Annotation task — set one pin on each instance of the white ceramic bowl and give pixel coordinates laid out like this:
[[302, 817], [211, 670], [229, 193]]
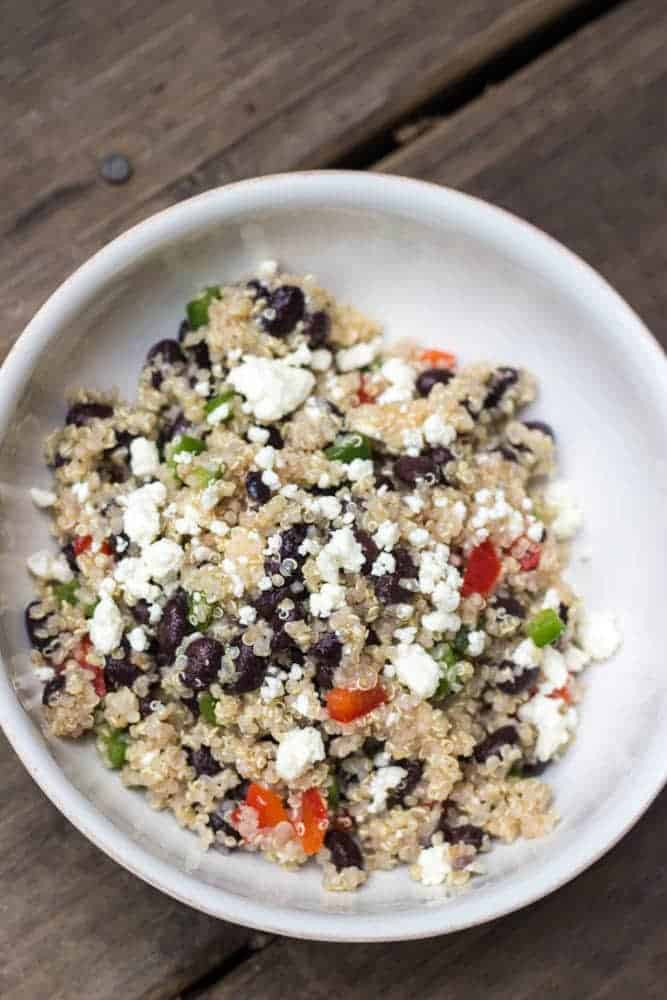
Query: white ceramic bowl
[[452, 272]]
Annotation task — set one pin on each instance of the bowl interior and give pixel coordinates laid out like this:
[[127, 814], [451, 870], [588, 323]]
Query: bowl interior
[[449, 273]]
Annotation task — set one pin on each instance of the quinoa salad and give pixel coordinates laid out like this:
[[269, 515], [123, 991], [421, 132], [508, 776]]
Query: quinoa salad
[[308, 592]]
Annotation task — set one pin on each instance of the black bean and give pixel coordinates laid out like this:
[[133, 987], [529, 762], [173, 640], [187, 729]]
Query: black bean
[[414, 769], [267, 602], [372, 638], [464, 834], [256, 489], [32, 624], [68, 551], [287, 305], [519, 682], [120, 671], [52, 687], [281, 641], [369, 549], [141, 612], [388, 589], [204, 659], [345, 852], [183, 329], [173, 626], [534, 770], [499, 383], [317, 328], [508, 453], [426, 380], [385, 481], [200, 354], [59, 461], [250, 671], [192, 703], [441, 456], [494, 742], [327, 651], [275, 438], [203, 761], [147, 700], [81, 414], [156, 379], [405, 567], [168, 350], [563, 612], [257, 289], [539, 425], [371, 746], [291, 540], [220, 825], [510, 605], [411, 468], [239, 792]]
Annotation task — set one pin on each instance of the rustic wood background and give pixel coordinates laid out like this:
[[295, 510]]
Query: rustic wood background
[[552, 108]]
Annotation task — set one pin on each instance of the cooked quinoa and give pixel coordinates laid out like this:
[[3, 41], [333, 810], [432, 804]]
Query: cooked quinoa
[[309, 593]]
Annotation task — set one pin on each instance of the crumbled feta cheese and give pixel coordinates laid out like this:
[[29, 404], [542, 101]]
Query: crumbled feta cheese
[[598, 634], [270, 479], [413, 440], [289, 491], [247, 614], [137, 639], [328, 507], [407, 634], [329, 598], [258, 435], [554, 669], [551, 599], [42, 498], [401, 377], [219, 528], [476, 642], [266, 457], [162, 558], [568, 519], [575, 659], [385, 563], [219, 414], [437, 432], [358, 469], [203, 388], [419, 537], [416, 669], [387, 535], [141, 519], [46, 566], [441, 621], [271, 689], [433, 864], [154, 614], [106, 626], [321, 359], [527, 655], [81, 491], [535, 531], [210, 495], [382, 782], [433, 566], [349, 358], [555, 724], [342, 552], [144, 457], [301, 356], [272, 388], [188, 522], [298, 750], [415, 503]]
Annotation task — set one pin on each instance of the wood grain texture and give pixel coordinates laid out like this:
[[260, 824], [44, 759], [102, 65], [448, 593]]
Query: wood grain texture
[[577, 144], [201, 93], [73, 924], [599, 938]]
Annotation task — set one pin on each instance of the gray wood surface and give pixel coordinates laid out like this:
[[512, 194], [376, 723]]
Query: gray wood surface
[[200, 93]]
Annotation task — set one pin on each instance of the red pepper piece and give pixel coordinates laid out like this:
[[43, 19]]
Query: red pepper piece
[[345, 704], [482, 570]]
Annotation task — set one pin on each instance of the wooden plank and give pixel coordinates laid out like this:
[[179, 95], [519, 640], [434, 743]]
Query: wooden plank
[[75, 924], [599, 938], [201, 93], [576, 143]]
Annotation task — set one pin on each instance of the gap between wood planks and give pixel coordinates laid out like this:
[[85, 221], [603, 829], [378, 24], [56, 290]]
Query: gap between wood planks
[[366, 155]]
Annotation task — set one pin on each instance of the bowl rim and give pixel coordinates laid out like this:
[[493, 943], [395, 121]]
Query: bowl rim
[[395, 195]]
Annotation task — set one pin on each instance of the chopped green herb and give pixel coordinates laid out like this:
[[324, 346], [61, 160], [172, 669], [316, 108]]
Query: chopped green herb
[[347, 447], [200, 611], [545, 627], [89, 609], [207, 705], [116, 746], [184, 443], [204, 477], [214, 402], [66, 592], [449, 671], [461, 640], [197, 310], [333, 794]]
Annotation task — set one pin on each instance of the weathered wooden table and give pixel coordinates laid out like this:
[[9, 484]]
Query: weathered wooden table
[[555, 109]]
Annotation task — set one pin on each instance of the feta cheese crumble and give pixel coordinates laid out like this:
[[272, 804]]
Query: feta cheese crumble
[[106, 626], [416, 669], [298, 750], [272, 388], [144, 457]]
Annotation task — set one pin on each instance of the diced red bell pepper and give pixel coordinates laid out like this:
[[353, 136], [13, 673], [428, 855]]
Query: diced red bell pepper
[[564, 694], [364, 394], [347, 704], [438, 359], [81, 543], [105, 548], [80, 654], [267, 804], [482, 570], [313, 821], [531, 557]]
